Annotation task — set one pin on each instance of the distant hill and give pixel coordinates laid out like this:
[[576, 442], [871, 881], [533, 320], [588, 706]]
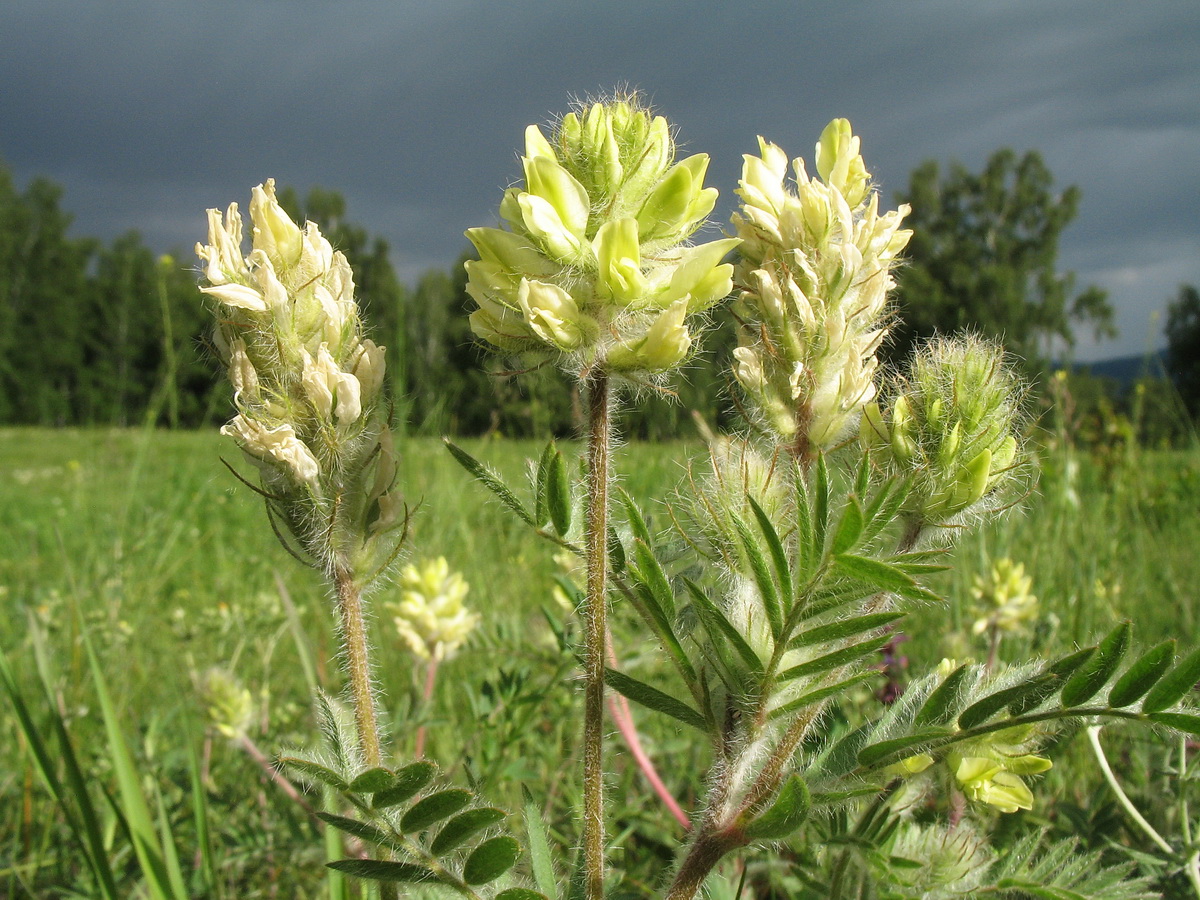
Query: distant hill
[[1127, 369]]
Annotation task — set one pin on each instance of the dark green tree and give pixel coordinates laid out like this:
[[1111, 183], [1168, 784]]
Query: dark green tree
[[984, 254], [43, 290], [1183, 346]]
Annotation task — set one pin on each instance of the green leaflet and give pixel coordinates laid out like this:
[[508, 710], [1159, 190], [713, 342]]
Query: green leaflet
[[463, 827], [939, 708], [372, 781], [558, 493], [767, 588], [1099, 668], [1176, 685], [363, 830], [407, 782], [843, 629], [835, 659], [491, 859], [785, 815], [873, 754], [779, 559], [653, 698], [850, 527], [979, 712], [714, 620], [539, 848], [433, 809], [1140, 677], [491, 481], [882, 576], [383, 870]]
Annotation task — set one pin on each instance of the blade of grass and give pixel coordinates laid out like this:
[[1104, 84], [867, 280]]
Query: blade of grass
[[85, 827], [133, 802]]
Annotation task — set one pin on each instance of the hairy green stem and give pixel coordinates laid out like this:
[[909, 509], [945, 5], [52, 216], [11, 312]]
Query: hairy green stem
[[357, 660], [596, 629], [706, 851]]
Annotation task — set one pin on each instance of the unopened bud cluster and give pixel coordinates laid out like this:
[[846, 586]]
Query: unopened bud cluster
[[593, 269], [814, 282], [307, 384], [954, 424]]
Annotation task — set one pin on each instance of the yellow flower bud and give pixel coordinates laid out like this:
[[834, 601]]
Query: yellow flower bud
[[552, 314], [274, 231], [663, 347]]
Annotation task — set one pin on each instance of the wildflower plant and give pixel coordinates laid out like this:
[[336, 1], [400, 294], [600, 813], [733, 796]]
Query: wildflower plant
[[798, 547], [794, 552]]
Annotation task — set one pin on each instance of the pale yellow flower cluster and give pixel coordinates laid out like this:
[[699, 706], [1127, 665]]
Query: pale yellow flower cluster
[[303, 375], [430, 615], [228, 705], [996, 780], [815, 277], [593, 268], [1005, 598]]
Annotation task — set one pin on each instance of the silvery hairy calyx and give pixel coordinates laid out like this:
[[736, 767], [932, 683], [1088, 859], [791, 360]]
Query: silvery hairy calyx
[[766, 589]]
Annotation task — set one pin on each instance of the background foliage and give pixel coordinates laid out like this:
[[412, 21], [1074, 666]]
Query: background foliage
[[129, 336]]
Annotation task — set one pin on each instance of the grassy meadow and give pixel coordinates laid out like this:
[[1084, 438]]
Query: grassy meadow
[[144, 542]]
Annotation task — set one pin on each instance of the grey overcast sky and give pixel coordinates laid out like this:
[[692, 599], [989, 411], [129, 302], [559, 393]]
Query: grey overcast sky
[[149, 112]]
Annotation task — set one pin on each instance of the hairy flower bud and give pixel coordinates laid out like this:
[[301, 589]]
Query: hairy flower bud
[[816, 272], [954, 423], [594, 269]]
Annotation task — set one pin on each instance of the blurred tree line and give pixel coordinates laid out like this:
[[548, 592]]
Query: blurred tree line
[[114, 335]]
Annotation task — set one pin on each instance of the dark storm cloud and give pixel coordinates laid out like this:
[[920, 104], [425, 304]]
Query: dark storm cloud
[[149, 112]]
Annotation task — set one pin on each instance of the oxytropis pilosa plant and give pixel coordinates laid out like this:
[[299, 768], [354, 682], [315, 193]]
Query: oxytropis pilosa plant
[[792, 555]]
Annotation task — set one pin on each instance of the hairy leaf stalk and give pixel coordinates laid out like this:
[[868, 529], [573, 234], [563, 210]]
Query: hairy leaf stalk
[[358, 663], [596, 629]]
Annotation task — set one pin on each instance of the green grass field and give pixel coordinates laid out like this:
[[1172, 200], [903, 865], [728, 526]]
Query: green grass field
[[147, 543]]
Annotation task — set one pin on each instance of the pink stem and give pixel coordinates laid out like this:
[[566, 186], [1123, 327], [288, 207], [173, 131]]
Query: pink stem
[[274, 774], [430, 680], [618, 707]]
